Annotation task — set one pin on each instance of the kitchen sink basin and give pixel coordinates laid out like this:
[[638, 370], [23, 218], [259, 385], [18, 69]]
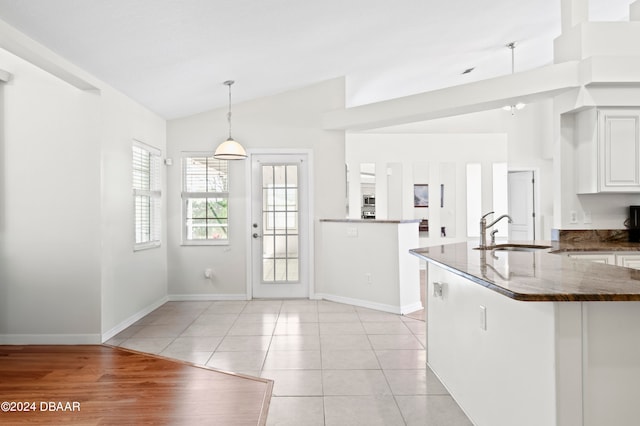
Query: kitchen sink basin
[[515, 247]]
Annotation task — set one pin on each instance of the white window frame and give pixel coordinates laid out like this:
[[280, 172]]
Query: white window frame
[[151, 238], [186, 195]]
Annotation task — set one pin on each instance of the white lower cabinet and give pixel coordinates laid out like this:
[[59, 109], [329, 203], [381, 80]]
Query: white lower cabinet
[[625, 259], [606, 258], [628, 260]]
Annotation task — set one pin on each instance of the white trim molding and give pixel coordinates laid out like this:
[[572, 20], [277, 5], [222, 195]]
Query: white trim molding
[[400, 310], [36, 53], [205, 297], [133, 319]]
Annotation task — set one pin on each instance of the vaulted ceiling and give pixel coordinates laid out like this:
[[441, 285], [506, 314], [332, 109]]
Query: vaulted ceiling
[[173, 55]]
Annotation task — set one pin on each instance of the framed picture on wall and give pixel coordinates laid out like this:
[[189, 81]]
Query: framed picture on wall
[[421, 195]]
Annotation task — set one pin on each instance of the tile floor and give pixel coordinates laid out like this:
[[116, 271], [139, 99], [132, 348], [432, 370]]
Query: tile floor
[[333, 364]]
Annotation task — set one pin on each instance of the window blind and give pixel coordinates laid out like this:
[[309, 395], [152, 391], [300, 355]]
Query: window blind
[[205, 197], [147, 195]]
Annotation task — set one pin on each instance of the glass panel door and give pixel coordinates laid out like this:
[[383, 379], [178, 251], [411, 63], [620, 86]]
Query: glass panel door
[[280, 225], [280, 235]]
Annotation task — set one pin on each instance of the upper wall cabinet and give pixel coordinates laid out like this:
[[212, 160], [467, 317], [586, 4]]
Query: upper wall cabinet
[[608, 150]]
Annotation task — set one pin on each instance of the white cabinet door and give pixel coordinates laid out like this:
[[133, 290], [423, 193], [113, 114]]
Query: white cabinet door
[[628, 260], [619, 150], [607, 258]]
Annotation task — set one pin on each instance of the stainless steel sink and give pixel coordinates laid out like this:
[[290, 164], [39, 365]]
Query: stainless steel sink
[[515, 247], [521, 248]]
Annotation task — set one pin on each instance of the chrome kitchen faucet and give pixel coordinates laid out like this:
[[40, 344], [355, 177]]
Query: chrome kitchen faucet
[[484, 227]]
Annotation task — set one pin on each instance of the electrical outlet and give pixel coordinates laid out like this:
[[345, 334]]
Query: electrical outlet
[[573, 216], [437, 289], [586, 216]]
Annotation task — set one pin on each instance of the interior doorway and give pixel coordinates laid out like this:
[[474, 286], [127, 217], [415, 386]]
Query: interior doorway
[[521, 189]]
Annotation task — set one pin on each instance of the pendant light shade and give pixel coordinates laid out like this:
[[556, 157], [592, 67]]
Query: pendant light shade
[[230, 149]]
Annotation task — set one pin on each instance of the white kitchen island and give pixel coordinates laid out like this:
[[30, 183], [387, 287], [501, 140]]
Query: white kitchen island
[[534, 338]]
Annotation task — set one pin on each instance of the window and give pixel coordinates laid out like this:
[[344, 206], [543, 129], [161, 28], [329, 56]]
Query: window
[[205, 199], [146, 195]]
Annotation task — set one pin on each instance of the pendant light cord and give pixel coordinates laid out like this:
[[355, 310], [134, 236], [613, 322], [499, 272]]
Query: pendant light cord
[[229, 83], [512, 46], [513, 62]]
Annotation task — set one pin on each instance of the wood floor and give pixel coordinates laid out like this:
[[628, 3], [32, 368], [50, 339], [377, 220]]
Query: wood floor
[[103, 385]]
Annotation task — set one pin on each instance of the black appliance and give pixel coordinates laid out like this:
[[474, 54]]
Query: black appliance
[[634, 224]]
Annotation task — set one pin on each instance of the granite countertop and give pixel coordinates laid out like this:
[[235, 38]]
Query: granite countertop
[[541, 275], [372, 220], [577, 246]]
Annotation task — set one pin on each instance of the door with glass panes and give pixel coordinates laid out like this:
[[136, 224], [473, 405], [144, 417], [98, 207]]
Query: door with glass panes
[[279, 225]]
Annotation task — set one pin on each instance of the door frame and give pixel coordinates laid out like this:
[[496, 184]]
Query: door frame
[[537, 228], [310, 212]]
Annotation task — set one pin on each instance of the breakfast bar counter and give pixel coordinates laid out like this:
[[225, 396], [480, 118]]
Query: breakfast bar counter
[[533, 336], [545, 274]]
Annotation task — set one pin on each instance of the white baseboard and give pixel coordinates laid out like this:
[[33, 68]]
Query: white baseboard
[[205, 297], [401, 310], [412, 307], [133, 318], [50, 339]]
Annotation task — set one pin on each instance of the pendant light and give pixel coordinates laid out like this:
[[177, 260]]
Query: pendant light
[[519, 105], [230, 149]]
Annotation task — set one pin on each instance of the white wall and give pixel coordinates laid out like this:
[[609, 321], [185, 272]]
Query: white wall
[[531, 138], [132, 282], [67, 269], [286, 121], [50, 235]]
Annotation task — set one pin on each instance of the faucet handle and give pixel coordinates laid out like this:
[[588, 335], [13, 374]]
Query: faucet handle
[[493, 237], [486, 215]]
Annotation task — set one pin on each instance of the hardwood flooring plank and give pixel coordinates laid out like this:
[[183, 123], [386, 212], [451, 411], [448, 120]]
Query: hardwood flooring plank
[[111, 385]]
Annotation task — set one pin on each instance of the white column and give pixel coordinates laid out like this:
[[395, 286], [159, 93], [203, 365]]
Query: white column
[[573, 12], [634, 11]]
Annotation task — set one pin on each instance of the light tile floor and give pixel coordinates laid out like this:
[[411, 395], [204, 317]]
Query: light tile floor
[[332, 364]]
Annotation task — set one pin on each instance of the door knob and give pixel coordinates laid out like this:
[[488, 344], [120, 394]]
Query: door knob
[[256, 235]]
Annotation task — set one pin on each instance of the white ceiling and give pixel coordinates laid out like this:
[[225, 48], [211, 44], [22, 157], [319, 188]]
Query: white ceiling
[[173, 55]]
